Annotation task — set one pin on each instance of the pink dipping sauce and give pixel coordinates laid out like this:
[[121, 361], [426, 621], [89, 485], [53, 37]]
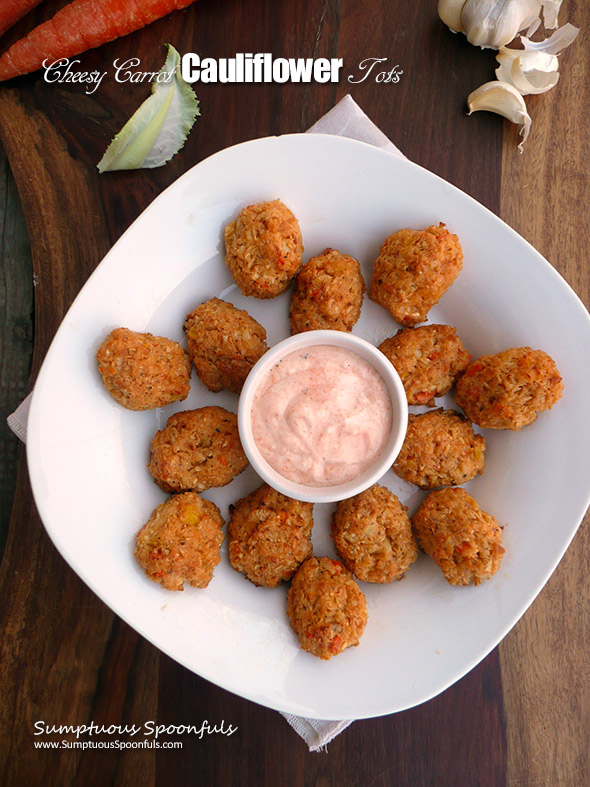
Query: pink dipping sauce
[[321, 416]]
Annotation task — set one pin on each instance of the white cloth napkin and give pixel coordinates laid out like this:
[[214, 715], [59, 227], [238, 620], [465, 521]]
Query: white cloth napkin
[[346, 119], [19, 419]]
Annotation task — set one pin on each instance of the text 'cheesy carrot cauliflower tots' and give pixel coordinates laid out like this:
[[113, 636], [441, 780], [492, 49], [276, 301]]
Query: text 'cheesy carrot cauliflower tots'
[[428, 360], [373, 535], [263, 249], [328, 294], [509, 389], [197, 449], [326, 608], [142, 371], [269, 536], [440, 449], [181, 542], [463, 540], [413, 270], [224, 343]]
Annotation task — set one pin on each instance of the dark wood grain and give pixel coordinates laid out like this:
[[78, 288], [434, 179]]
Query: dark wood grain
[[16, 329], [64, 657], [546, 659], [408, 748]]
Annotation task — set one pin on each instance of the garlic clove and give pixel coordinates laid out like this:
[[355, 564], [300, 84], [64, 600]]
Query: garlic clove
[[529, 72], [504, 99], [494, 23], [556, 42], [450, 13]]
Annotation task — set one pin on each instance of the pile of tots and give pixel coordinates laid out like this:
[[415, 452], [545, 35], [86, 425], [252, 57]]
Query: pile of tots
[[270, 534]]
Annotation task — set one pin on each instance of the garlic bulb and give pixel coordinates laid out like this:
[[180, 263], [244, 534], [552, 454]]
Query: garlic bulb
[[491, 24], [450, 13], [529, 72], [504, 99]]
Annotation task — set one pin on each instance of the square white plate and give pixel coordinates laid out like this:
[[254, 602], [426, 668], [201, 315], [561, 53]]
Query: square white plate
[[87, 455]]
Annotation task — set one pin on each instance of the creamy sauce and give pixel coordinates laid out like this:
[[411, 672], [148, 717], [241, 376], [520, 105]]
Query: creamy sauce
[[321, 416]]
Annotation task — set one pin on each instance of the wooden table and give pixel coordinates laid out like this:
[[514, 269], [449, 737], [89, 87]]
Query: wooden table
[[522, 717]]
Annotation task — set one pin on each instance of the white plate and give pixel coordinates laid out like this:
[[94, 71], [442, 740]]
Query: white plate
[[87, 455]]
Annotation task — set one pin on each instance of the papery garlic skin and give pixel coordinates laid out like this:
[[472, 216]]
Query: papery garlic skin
[[450, 13], [503, 99], [491, 24], [531, 73], [556, 42], [534, 26], [550, 13]]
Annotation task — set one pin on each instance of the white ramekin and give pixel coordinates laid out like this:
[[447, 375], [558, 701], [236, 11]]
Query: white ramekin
[[325, 494]]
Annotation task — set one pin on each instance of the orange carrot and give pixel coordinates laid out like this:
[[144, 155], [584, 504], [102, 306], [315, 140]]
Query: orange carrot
[[13, 10], [81, 25]]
